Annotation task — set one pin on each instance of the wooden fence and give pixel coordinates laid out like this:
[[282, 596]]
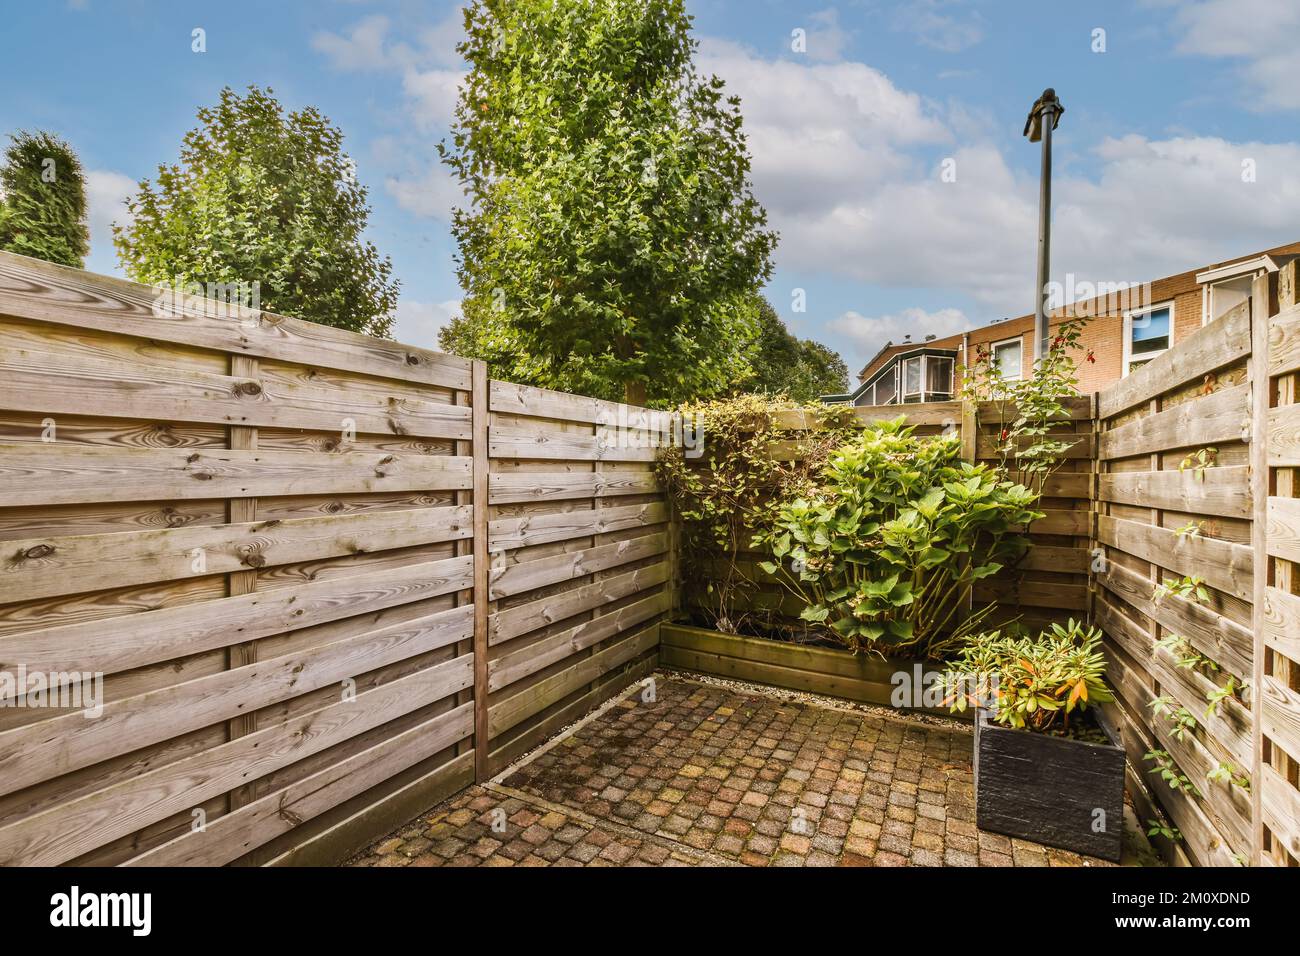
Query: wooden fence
[[325, 579]]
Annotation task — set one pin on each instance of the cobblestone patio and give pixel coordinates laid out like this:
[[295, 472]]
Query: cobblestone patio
[[713, 775]]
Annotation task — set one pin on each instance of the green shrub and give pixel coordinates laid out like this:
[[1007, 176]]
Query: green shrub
[[730, 492], [887, 551], [1033, 683]]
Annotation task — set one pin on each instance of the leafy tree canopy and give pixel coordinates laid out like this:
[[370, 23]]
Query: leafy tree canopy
[[260, 196], [801, 369], [43, 212], [611, 226]]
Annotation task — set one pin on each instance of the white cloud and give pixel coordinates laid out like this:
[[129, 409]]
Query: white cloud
[[432, 96], [106, 194], [933, 26], [368, 47], [418, 322], [1260, 34], [870, 335], [431, 193], [826, 39]]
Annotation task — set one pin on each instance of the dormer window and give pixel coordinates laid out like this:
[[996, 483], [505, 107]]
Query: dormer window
[[922, 375]]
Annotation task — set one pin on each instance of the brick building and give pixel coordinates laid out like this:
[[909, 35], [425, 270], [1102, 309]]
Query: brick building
[[1127, 327]]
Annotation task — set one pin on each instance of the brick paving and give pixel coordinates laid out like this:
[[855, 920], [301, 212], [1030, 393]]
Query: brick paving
[[712, 775]]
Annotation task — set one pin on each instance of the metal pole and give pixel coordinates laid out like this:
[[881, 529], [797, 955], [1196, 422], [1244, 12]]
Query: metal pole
[[1044, 236]]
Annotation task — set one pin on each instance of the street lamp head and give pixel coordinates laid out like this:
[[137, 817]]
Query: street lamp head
[[1047, 104]]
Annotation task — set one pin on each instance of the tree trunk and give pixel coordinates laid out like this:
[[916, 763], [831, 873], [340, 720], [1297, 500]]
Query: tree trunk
[[634, 393]]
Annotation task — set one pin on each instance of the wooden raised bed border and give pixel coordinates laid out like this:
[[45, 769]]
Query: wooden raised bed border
[[799, 667]]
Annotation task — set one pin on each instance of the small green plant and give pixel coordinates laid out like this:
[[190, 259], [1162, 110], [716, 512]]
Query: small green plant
[[1180, 718], [1192, 529], [1219, 695], [1189, 587], [1167, 769], [1030, 408], [1031, 682], [886, 553], [1199, 461], [1156, 828], [1184, 655], [1228, 773]]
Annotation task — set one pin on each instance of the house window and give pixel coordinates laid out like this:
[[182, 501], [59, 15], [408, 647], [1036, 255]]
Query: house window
[[1148, 333], [887, 387], [1008, 358], [913, 379], [1225, 296], [938, 384]]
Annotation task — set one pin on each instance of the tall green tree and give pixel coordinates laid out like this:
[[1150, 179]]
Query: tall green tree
[[261, 196], [612, 245], [801, 369], [43, 208]]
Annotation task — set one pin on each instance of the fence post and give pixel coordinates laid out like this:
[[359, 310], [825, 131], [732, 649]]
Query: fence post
[[479, 427], [1259, 486], [969, 430]]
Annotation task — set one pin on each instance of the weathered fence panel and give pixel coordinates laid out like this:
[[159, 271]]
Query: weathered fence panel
[[267, 538]]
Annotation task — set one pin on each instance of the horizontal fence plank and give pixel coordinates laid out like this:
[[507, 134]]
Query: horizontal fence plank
[[1284, 436], [34, 752], [1081, 446], [1222, 640], [510, 398], [1222, 491], [1222, 342], [516, 665], [506, 534], [1282, 622], [50, 384], [1280, 805], [32, 289], [77, 826], [57, 474], [540, 572], [1284, 527], [232, 835], [1284, 341], [517, 621], [1221, 564], [531, 487], [566, 446], [1280, 714], [42, 567], [551, 690], [1215, 419], [150, 637]]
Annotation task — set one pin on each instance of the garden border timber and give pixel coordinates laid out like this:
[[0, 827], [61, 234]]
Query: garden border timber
[[831, 672]]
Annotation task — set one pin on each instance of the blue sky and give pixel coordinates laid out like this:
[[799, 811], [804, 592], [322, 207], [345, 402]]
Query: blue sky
[[850, 136]]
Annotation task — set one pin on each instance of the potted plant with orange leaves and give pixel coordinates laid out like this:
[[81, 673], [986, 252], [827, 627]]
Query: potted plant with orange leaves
[[1048, 766]]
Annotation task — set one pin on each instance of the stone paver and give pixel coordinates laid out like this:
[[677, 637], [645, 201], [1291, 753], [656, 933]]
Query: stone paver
[[710, 775]]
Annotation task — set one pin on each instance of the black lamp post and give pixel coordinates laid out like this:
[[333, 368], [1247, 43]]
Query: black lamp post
[[1043, 118]]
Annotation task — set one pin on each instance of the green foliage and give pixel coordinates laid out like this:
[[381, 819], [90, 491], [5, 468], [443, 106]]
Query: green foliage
[[1184, 654], [1157, 828], [1227, 772], [262, 197], [1199, 462], [43, 208], [1030, 410], [802, 370], [1181, 721], [1189, 587], [612, 245], [1165, 767], [887, 551], [727, 495], [1032, 682]]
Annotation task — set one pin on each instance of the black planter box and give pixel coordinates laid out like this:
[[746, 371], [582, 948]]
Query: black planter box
[[1050, 789]]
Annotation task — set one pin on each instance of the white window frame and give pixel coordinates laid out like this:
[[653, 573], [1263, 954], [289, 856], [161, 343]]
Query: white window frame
[[1018, 341], [1128, 334], [903, 395]]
